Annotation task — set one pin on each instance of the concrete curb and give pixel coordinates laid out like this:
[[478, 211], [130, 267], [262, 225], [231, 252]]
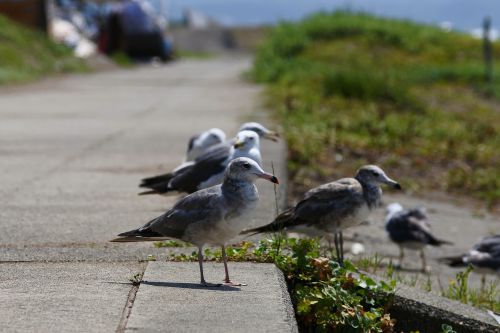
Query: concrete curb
[[416, 310]]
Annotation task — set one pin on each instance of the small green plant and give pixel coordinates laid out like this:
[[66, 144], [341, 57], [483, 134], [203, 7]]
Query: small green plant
[[171, 243], [447, 329], [484, 297], [122, 60], [136, 279], [487, 296]]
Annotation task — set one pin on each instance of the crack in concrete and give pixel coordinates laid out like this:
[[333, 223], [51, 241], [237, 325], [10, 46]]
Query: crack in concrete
[[127, 310]]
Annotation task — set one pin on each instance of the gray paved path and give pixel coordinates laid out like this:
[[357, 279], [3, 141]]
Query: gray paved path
[[73, 151]]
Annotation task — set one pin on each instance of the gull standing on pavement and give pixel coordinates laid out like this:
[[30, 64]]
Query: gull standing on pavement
[[332, 207], [208, 169], [209, 216], [409, 228]]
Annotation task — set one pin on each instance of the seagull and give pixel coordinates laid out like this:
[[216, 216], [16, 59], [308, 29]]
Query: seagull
[[332, 207], [484, 256], [211, 140], [209, 216], [208, 169], [199, 143], [409, 228], [262, 131]]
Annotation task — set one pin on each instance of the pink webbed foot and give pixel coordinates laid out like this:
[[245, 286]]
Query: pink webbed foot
[[234, 283]]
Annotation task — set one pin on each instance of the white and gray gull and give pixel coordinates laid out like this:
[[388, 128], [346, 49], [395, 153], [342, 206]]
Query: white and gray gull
[[261, 130], [410, 229], [199, 143], [211, 140], [209, 216], [332, 207], [208, 169], [484, 256]]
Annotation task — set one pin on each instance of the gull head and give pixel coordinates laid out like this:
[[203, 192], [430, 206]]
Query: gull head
[[248, 169], [212, 136], [262, 131], [246, 140], [374, 175], [393, 208]]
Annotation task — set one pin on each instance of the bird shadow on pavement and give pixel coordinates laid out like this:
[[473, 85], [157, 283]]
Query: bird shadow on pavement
[[187, 285]]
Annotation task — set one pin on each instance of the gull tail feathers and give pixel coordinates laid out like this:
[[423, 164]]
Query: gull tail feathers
[[167, 192], [148, 192], [152, 181], [278, 224], [438, 242], [455, 261], [139, 235]]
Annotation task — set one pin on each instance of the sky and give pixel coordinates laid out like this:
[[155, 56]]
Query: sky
[[463, 14]]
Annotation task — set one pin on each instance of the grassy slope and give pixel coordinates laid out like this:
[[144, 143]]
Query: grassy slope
[[27, 55], [353, 89]]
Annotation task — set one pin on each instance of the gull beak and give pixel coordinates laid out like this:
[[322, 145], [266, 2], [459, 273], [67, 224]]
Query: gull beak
[[239, 144], [269, 177], [392, 183], [273, 136]]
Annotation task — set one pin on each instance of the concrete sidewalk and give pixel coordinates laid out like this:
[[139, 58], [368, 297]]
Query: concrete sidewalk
[[74, 150], [171, 300]]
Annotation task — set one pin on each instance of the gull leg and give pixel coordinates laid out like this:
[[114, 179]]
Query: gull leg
[[227, 281], [200, 262], [341, 240], [336, 241], [424, 262], [483, 282], [401, 256], [330, 247]]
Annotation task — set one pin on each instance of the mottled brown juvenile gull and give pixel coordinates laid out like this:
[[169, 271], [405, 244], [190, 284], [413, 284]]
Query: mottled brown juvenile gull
[[208, 169], [484, 256], [210, 216], [409, 228], [332, 207]]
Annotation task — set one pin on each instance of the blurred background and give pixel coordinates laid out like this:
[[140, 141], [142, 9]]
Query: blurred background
[[147, 28]]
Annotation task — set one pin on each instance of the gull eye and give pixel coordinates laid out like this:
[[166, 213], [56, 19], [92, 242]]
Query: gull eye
[[375, 173], [246, 165], [251, 139]]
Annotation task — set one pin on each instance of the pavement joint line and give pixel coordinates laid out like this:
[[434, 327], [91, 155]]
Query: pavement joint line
[[129, 304]]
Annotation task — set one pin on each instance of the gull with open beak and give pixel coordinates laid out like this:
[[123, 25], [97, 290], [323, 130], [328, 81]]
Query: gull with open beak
[[330, 208], [209, 216]]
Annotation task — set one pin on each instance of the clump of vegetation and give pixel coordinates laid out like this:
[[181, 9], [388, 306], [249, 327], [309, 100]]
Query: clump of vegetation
[[326, 296], [486, 297], [26, 54], [352, 88], [136, 279]]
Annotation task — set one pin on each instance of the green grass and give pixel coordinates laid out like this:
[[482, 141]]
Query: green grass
[[351, 89], [486, 296], [26, 55], [198, 55]]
